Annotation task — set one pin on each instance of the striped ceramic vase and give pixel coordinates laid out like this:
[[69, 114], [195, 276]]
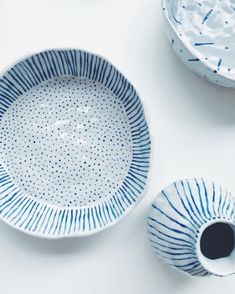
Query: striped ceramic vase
[[191, 226]]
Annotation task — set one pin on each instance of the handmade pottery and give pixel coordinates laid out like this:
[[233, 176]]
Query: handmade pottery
[[202, 35], [74, 145], [191, 226]]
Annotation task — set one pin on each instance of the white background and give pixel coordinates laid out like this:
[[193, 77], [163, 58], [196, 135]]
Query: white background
[[193, 130]]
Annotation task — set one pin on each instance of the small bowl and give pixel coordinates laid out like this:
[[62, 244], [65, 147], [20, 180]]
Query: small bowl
[[74, 145], [202, 35], [191, 226]]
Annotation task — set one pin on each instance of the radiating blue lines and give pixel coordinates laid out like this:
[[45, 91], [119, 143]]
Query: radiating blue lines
[[177, 217], [46, 220]]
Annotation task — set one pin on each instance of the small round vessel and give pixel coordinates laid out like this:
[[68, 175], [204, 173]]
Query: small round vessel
[[191, 226], [74, 145], [202, 34]]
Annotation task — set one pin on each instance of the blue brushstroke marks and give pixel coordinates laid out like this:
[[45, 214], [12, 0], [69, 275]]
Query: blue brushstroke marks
[[32, 216], [193, 59], [175, 19], [177, 217], [207, 16], [204, 44], [219, 64]]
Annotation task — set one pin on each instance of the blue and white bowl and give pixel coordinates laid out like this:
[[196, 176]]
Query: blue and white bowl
[[202, 35], [74, 145], [191, 226]]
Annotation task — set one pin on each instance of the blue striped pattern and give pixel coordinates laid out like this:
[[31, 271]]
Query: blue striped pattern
[[41, 219], [177, 218]]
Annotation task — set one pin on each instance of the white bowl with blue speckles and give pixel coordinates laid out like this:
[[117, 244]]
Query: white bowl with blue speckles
[[202, 34], [74, 145]]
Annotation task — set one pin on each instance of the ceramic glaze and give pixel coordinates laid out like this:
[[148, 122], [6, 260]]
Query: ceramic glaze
[[74, 145], [202, 34], [67, 136], [191, 226]]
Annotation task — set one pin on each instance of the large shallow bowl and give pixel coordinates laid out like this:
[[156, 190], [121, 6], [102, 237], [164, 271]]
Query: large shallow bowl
[[202, 34], [74, 145]]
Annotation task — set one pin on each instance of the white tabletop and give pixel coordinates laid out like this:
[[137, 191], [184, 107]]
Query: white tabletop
[[193, 130]]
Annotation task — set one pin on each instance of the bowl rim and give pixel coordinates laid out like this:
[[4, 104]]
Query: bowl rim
[[129, 208], [190, 48]]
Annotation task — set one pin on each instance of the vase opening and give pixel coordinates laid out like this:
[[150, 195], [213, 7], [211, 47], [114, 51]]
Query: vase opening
[[216, 248]]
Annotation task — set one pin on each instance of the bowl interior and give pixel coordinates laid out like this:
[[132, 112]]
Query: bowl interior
[[67, 141], [74, 144], [207, 27]]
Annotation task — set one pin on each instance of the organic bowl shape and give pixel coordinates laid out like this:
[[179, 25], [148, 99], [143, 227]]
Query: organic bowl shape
[[74, 145], [202, 34], [191, 226]]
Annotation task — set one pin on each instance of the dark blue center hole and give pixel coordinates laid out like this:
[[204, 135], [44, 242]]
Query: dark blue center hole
[[217, 241]]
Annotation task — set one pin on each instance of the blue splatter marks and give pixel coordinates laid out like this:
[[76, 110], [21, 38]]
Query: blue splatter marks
[[207, 16], [219, 64], [203, 31], [175, 19], [193, 59], [204, 44]]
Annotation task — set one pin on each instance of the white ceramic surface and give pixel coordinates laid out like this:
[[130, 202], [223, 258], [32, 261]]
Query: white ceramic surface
[[202, 34], [192, 130], [74, 145], [191, 226]]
